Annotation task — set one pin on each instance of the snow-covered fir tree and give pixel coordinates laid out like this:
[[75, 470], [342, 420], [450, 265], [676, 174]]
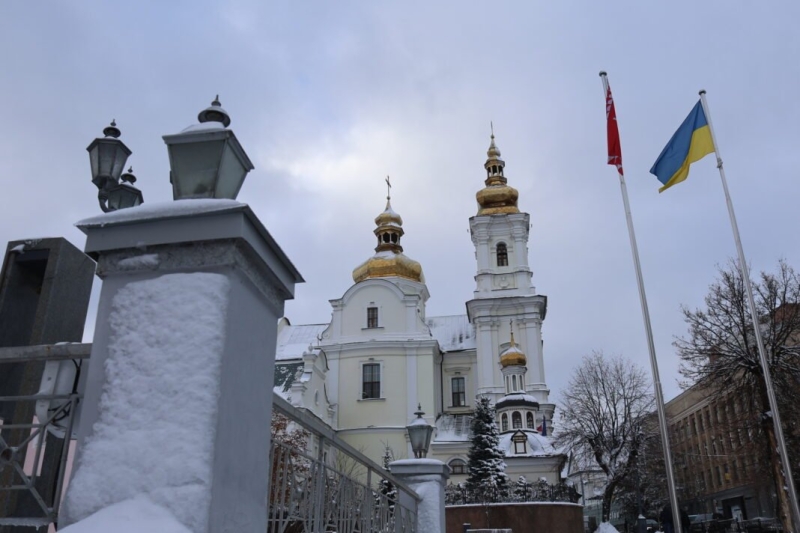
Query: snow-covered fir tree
[[522, 489], [487, 477], [387, 488]]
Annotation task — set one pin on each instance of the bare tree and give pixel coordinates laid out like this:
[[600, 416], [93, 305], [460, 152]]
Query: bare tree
[[720, 353], [603, 415]]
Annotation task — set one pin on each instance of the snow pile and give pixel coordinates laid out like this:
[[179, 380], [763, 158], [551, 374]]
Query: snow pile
[[155, 431], [177, 208], [130, 516], [606, 527]]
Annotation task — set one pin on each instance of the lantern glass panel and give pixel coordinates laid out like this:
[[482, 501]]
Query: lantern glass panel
[[231, 174], [124, 196], [195, 168]]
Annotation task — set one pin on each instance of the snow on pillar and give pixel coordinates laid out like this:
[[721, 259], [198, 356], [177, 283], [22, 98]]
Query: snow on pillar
[[178, 396], [427, 477]]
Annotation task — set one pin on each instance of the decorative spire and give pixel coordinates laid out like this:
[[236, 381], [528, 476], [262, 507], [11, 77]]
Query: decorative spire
[[497, 198]]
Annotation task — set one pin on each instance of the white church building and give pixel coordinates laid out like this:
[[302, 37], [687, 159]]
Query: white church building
[[380, 356]]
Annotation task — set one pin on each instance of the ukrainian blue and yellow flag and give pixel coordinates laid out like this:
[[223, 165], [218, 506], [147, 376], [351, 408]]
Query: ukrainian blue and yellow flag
[[691, 143]]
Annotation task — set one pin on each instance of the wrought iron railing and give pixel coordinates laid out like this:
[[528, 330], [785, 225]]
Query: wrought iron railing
[[540, 491], [326, 485], [34, 443]]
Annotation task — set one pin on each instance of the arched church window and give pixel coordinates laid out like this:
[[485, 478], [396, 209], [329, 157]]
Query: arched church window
[[529, 420], [394, 238], [502, 254], [458, 466], [516, 420], [514, 383], [504, 422], [385, 237]]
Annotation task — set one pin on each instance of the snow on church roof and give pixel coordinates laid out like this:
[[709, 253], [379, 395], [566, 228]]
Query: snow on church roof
[[538, 446], [294, 340], [453, 332]]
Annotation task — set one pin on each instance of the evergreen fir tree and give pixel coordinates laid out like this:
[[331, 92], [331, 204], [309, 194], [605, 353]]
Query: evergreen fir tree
[[487, 478], [387, 488]]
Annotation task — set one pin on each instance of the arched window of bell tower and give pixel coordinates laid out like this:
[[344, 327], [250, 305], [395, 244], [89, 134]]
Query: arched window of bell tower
[[516, 420], [394, 238], [502, 254], [514, 383], [504, 423], [529, 420]]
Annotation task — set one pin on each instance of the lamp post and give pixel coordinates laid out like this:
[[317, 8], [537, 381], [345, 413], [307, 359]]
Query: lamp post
[[107, 157], [419, 433]]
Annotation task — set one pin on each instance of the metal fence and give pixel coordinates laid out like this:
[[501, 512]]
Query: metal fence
[[35, 431], [326, 485], [541, 491]]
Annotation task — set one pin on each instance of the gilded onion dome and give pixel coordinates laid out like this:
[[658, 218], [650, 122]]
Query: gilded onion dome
[[497, 197], [512, 356], [388, 260]]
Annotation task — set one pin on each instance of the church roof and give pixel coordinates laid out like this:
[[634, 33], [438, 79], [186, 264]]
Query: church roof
[[538, 446], [294, 340], [453, 332]]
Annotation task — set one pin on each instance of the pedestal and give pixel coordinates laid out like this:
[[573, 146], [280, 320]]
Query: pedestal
[[427, 477], [178, 396]]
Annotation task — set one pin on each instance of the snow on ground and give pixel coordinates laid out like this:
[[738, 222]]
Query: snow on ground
[[154, 435], [137, 515], [606, 527]]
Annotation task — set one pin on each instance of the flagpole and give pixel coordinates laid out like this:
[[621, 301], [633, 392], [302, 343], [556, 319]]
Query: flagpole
[[773, 403], [662, 416]]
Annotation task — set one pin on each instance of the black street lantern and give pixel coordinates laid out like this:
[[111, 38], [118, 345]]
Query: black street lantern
[[419, 433], [206, 160], [107, 156], [121, 195]]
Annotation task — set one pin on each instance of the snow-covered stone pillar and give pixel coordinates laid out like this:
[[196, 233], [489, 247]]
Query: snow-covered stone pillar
[[178, 393], [427, 477]]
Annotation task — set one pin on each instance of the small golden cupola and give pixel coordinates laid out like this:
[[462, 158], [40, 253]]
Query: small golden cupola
[[512, 356], [497, 198], [389, 260]]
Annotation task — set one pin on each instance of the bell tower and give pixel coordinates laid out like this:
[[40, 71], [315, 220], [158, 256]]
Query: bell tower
[[504, 299]]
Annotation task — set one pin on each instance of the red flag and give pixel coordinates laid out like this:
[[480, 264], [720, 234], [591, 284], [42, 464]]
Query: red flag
[[614, 149]]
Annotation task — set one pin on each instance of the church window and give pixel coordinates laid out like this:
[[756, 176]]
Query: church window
[[529, 420], [394, 238], [385, 237], [504, 423], [458, 466], [372, 317], [514, 383], [459, 391], [502, 254], [516, 420], [520, 441], [371, 381]]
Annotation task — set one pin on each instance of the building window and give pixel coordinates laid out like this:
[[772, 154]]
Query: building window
[[514, 383], [372, 317], [520, 441], [458, 386], [371, 381], [529, 420], [458, 466], [502, 254], [516, 420], [504, 423]]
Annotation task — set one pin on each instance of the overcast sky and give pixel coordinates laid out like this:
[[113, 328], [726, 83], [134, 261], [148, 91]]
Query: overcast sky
[[328, 98]]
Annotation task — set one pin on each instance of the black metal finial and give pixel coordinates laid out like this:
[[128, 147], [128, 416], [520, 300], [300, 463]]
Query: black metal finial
[[215, 113], [112, 130], [128, 176]]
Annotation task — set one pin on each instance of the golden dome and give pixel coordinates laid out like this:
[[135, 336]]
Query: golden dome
[[512, 356], [497, 197], [389, 261], [388, 217], [389, 264]]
